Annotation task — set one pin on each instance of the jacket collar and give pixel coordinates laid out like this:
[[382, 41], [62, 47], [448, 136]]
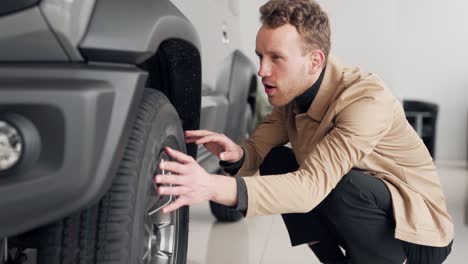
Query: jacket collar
[[332, 79]]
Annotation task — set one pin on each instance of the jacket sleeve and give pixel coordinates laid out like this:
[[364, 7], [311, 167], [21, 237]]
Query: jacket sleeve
[[358, 128], [269, 134]]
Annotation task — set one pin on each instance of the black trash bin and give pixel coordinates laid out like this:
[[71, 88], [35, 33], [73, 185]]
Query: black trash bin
[[423, 118]]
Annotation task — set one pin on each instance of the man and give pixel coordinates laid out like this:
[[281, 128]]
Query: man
[[357, 176]]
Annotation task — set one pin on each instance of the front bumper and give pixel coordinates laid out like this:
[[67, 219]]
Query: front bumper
[[83, 115]]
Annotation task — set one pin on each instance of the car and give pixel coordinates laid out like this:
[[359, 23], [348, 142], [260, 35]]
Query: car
[[90, 94]]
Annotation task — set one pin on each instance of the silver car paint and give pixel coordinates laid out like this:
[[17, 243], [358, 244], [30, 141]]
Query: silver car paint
[[69, 20], [25, 36], [133, 30]]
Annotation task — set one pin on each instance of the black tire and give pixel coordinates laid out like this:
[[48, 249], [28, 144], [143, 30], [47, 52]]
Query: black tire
[[115, 230], [224, 213]]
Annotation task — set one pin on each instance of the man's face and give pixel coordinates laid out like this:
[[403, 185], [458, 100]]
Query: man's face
[[286, 70]]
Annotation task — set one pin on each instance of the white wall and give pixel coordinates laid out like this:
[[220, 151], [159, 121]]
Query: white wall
[[249, 23], [419, 47], [434, 65]]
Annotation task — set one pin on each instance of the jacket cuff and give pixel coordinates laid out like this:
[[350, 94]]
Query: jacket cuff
[[242, 196]]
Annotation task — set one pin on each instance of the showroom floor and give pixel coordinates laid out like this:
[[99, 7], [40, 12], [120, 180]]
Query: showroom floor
[[264, 240]]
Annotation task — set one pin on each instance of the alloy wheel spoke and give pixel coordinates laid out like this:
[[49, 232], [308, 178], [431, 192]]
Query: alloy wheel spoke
[[162, 258], [148, 245], [167, 239], [160, 228]]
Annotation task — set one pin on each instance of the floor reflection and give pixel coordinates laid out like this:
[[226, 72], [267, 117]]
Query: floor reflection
[[454, 180], [228, 243]]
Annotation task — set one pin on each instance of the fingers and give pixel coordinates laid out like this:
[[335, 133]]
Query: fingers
[[173, 190], [171, 179], [198, 133], [173, 167], [174, 205], [218, 138], [191, 140], [178, 156], [229, 156], [192, 136]]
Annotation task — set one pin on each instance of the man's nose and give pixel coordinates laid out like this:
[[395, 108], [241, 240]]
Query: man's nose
[[265, 70]]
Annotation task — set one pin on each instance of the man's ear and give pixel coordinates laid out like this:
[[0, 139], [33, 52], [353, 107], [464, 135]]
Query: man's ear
[[317, 58]]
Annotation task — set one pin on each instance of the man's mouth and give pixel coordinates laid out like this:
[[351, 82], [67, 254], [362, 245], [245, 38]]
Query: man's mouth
[[269, 89]]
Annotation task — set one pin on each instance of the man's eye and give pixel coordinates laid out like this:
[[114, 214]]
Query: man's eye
[[275, 57]]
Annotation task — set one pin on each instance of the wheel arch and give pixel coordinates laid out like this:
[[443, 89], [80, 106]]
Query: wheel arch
[[160, 40]]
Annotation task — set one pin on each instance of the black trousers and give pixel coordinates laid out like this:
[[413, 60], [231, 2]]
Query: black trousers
[[356, 216]]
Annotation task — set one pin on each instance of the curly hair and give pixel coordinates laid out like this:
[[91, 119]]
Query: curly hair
[[307, 16]]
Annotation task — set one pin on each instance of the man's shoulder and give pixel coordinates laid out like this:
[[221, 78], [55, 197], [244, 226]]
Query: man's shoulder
[[361, 83], [363, 88], [352, 81]]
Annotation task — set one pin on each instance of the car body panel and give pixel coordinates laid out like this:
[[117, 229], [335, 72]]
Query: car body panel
[[122, 31], [26, 37], [69, 21]]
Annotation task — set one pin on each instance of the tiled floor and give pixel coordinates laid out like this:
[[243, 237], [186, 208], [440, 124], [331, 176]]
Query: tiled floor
[[264, 240]]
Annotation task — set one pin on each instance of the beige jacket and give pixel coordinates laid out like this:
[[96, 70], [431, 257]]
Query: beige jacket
[[353, 122]]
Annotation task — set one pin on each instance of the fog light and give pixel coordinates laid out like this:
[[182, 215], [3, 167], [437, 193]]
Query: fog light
[[11, 146]]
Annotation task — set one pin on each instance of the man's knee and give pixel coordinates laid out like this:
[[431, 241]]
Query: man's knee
[[358, 192], [349, 193], [334, 202], [279, 160]]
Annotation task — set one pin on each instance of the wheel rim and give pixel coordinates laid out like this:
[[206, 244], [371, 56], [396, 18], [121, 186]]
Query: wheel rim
[[160, 239]]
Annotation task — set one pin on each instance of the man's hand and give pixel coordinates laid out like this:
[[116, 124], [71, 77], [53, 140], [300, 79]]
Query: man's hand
[[193, 184], [218, 144]]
